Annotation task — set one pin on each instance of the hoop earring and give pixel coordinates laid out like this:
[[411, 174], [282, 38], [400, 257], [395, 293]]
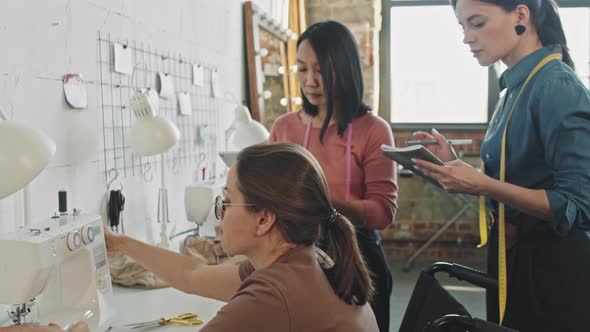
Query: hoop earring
[[520, 29]]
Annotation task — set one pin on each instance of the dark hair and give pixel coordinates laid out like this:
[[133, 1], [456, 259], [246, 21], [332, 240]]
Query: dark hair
[[545, 18], [287, 180], [338, 57]]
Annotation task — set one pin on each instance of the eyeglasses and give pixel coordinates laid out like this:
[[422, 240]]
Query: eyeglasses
[[220, 207]]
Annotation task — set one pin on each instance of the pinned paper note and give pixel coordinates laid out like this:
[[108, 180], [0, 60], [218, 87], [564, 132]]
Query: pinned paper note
[[198, 75], [215, 83], [123, 59], [165, 86], [184, 103], [202, 134], [75, 90]]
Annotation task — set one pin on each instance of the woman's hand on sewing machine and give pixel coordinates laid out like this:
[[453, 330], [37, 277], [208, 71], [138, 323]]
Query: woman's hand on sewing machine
[[54, 327], [443, 150], [80, 326], [32, 328], [456, 176]]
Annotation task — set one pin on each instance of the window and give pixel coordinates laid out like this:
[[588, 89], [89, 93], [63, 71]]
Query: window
[[434, 79], [576, 25]]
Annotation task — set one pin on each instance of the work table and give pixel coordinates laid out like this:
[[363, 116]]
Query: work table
[[133, 305]]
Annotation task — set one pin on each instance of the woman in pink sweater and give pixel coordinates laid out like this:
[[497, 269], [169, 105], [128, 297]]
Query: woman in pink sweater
[[339, 130]]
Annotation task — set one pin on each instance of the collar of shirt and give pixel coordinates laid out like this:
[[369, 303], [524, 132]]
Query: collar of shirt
[[518, 73]]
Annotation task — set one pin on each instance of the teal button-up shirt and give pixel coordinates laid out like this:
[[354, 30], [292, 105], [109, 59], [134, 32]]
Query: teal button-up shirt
[[548, 138]]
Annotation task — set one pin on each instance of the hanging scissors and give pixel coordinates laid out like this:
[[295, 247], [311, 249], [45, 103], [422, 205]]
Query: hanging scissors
[[186, 319]]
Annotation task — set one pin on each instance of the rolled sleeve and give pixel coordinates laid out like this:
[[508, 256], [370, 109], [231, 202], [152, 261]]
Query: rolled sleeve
[[564, 210], [565, 133], [378, 214]]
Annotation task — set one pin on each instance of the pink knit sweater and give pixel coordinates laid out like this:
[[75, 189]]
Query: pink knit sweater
[[373, 176]]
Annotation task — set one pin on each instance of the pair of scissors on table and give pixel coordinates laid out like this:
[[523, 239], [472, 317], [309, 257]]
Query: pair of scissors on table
[[186, 319]]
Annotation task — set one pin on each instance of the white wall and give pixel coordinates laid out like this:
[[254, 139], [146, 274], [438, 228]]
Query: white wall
[[44, 39]]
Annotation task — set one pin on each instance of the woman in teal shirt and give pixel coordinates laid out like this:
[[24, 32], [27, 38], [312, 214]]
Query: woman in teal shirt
[[545, 118]]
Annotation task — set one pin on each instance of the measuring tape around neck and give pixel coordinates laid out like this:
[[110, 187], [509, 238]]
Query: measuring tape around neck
[[502, 282]]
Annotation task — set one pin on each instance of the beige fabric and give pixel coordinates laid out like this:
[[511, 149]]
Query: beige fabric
[[198, 246], [126, 272]]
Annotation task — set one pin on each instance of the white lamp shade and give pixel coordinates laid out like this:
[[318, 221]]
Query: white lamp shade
[[153, 135], [246, 131], [24, 153], [229, 157], [242, 114], [198, 201], [247, 134]]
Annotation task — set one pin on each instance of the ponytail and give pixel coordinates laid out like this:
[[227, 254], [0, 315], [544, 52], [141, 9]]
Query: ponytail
[[349, 276], [304, 214], [550, 29]]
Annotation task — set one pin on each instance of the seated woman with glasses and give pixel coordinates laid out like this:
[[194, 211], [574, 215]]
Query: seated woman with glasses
[[275, 209]]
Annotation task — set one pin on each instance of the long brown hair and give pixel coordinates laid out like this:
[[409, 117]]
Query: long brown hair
[[287, 180], [341, 70], [545, 18]]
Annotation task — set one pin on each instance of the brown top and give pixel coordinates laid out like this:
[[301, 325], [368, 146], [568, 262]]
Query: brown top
[[293, 294]]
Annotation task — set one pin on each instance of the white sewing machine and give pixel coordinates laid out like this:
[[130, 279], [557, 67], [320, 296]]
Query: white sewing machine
[[57, 271]]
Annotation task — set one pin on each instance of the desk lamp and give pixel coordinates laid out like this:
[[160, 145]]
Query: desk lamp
[[243, 132], [24, 153], [153, 134], [199, 199]]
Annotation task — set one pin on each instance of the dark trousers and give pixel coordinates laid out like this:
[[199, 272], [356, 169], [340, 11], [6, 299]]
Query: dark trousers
[[371, 247], [548, 281]]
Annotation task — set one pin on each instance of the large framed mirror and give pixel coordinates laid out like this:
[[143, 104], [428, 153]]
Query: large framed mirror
[[266, 54]]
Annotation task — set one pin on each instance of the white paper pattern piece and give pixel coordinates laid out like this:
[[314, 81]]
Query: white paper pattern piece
[[184, 103], [215, 84], [166, 87], [123, 59], [75, 90], [202, 134], [198, 75]]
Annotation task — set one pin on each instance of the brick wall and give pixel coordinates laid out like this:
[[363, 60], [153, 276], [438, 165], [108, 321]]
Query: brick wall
[[363, 17], [423, 209]]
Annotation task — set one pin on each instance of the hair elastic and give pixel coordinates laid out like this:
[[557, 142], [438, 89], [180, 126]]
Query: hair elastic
[[332, 217]]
